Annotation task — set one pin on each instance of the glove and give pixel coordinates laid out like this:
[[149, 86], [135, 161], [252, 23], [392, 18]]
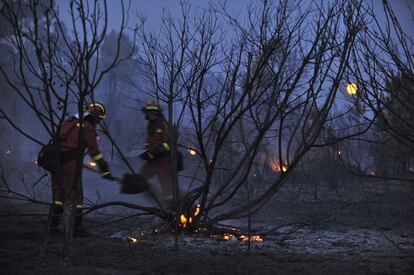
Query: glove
[[155, 153], [104, 168], [147, 155], [108, 176]]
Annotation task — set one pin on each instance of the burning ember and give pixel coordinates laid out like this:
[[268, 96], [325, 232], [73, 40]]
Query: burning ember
[[132, 240], [191, 151], [229, 237], [339, 152], [254, 238], [92, 163], [243, 238]]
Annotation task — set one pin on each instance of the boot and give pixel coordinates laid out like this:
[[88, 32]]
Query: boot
[[79, 231], [56, 211]]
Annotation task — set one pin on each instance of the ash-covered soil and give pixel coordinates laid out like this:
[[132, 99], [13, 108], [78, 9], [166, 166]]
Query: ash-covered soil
[[371, 232]]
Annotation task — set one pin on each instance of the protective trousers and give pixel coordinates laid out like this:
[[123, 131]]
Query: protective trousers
[[161, 168], [67, 184]]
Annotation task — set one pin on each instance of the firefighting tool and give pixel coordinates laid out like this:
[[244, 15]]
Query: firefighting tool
[[133, 184], [130, 184], [111, 177], [141, 152]]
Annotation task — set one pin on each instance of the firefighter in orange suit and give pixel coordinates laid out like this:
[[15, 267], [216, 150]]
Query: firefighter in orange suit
[[157, 154], [67, 183]]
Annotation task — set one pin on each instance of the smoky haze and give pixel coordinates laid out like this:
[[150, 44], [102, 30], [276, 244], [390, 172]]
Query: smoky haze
[[121, 92]]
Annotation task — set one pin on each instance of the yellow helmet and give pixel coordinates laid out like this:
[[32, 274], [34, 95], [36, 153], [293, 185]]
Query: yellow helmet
[[96, 109], [151, 106]]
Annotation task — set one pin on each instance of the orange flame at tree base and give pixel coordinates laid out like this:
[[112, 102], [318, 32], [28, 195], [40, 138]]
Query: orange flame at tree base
[[184, 221]]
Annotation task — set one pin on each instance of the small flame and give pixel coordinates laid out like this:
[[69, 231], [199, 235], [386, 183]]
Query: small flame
[[92, 163], [191, 151], [372, 173], [229, 237], [279, 168], [197, 210], [132, 240], [183, 220], [254, 238], [339, 152], [244, 238]]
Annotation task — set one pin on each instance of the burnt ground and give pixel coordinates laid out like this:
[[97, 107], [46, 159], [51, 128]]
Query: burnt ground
[[370, 232]]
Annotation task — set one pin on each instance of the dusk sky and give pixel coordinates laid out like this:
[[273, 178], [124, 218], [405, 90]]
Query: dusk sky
[[153, 10]]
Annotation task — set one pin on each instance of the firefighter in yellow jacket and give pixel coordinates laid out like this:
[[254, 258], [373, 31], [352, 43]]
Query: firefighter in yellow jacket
[[156, 155]]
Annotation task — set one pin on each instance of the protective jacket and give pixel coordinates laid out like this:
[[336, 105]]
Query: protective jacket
[[66, 182], [158, 136]]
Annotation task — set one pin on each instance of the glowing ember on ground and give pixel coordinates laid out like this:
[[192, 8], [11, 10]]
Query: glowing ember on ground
[[132, 240], [229, 237], [237, 236], [254, 238], [92, 163], [243, 238]]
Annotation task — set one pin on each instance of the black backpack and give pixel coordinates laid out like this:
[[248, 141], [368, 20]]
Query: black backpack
[[47, 157]]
